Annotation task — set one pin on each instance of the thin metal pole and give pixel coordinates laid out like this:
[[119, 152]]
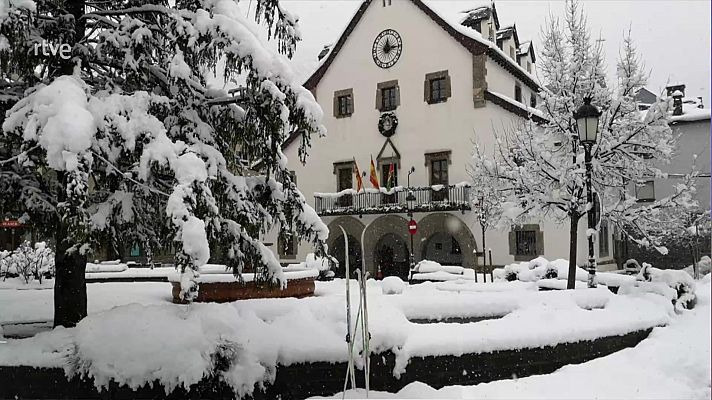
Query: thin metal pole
[[591, 221]]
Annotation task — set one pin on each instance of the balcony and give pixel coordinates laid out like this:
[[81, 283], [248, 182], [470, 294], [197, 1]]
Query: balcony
[[372, 201]]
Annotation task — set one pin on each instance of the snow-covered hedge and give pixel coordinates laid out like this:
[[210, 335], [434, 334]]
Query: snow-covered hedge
[[427, 270], [540, 269], [679, 281], [704, 266], [106, 266], [392, 285]]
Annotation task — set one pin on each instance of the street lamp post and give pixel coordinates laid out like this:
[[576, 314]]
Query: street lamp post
[[410, 202], [587, 123]]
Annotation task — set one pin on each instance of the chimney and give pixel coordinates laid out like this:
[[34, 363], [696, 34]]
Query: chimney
[[673, 88], [677, 102], [324, 52]]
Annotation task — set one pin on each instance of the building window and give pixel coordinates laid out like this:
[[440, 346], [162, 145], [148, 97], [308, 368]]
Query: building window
[[645, 192], [287, 245], [387, 96], [439, 176], [343, 103], [437, 88], [388, 99], [529, 66], [344, 180], [518, 93], [526, 242], [603, 249], [532, 101], [385, 175]]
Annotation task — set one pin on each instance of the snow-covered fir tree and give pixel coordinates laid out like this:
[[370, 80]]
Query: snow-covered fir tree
[[125, 142], [540, 169]]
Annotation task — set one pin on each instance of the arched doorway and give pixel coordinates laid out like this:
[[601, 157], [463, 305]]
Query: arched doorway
[[392, 256], [353, 228], [443, 248], [389, 228], [446, 239], [338, 251]]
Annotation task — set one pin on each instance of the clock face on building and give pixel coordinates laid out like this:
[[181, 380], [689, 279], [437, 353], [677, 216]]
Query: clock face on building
[[387, 48]]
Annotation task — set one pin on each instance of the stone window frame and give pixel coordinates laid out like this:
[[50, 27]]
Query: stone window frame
[[427, 87], [437, 155], [338, 94], [340, 165], [379, 94], [538, 238]]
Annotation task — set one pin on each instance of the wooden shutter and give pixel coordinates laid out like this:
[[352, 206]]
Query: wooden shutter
[[539, 242], [512, 242], [448, 88], [426, 90], [336, 105], [379, 99], [397, 95]]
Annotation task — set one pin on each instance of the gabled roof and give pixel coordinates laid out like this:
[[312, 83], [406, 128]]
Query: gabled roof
[[526, 48], [467, 37], [480, 13], [507, 32]]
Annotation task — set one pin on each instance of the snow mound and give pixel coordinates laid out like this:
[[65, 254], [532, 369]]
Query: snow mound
[[392, 285], [106, 266], [427, 270]]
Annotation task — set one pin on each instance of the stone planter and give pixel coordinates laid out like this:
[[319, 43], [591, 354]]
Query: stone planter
[[223, 292]]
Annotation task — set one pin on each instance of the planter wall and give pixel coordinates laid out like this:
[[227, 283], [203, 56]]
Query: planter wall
[[299, 381], [222, 292]]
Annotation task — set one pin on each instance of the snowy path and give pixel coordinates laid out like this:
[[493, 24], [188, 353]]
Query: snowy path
[[673, 363]]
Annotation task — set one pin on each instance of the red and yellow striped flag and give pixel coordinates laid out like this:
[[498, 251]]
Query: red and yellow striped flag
[[359, 181], [374, 176]]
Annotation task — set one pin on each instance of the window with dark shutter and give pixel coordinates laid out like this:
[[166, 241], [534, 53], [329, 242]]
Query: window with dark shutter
[[437, 87], [532, 101], [343, 103], [387, 96], [439, 179], [526, 242], [518, 93], [645, 192]]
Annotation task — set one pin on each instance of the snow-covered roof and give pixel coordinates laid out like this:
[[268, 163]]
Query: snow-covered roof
[[449, 21]]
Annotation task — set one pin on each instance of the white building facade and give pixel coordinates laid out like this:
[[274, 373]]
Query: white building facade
[[412, 91]]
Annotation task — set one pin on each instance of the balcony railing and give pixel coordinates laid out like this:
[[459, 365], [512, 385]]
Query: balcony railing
[[372, 201]]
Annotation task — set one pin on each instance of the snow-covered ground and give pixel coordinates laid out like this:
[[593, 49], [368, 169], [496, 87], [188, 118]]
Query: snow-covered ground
[[672, 363], [152, 338]]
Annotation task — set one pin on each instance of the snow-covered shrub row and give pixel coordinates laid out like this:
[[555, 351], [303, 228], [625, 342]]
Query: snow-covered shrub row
[[427, 270], [28, 262], [682, 284], [323, 264], [536, 269]]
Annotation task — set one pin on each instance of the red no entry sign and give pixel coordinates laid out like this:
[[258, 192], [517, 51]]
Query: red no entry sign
[[412, 227]]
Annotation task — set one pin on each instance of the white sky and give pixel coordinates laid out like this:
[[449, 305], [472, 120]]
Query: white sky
[[673, 37]]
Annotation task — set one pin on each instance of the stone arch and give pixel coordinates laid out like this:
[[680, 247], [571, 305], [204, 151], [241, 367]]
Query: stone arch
[[448, 224], [386, 224], [353, 228]]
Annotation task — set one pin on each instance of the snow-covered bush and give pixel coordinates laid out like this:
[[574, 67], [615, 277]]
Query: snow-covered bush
[[534, 270], [392, 285], [631, 267], [704, 266], [30, 262], [5, 270], [678, 280]]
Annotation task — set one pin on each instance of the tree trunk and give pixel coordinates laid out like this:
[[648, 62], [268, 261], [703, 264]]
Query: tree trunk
[[70, 289], [573, 238]]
